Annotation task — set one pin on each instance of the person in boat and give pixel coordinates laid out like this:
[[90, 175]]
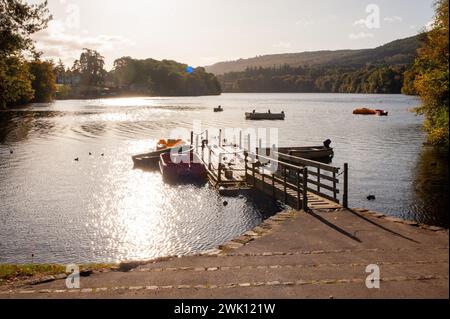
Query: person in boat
[[254, 111], [220, 107], [269, 112]]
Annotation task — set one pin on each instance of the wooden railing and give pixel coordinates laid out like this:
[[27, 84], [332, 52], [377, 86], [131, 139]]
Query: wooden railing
[[293, 173], [279, 180], [316, 177]]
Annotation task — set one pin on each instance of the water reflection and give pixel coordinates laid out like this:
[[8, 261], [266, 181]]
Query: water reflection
[[100, 209], [431, 188]]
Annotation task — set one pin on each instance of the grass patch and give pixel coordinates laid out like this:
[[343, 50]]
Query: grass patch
[[10, 272]]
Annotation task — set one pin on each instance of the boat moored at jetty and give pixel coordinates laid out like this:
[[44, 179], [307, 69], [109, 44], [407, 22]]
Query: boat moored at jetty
[[218, 109], [151, 160], [320, 153], [265, 116], [182, 166]]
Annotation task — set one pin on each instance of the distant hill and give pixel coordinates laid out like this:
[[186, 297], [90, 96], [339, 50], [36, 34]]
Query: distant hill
[[399, 52]]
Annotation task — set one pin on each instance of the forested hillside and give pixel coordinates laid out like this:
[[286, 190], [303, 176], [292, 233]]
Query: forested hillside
[[379, 70], [397, 52]]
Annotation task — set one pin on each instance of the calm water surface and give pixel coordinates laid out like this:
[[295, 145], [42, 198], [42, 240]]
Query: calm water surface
[[101, 210]]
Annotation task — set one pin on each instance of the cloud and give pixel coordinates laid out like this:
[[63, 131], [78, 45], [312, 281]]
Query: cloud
[[360, 35], [393, 19], [305, 22], [429, 26], [57, 42], [361, 22], [284, 45]]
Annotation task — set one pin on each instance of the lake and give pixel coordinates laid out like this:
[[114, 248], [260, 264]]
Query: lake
[[100, 209]]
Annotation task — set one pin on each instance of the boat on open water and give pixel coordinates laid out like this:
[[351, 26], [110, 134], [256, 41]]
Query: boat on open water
[[265, 116]]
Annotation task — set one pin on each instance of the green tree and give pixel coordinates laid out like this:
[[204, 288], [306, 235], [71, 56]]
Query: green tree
[[432, 77], [90, 67], [18, 22], [43, 81], [15, 82]]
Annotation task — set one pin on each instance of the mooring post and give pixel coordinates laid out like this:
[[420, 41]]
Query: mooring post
[[305, 189], [345, 196]]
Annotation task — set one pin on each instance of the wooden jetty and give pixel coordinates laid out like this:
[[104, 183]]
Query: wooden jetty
[[303, 185]]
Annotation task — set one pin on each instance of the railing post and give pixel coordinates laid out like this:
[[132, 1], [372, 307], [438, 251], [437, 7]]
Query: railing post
[[207, 137], [298, 190], [345, 196], [260, 148], [334, 185], [285, 184], [210, 158], [219, 173], [192, 138], [220, 137], [246, 163], [273, 185], [318, 179], [253, 174], [203, 153], [305, 189], [249, 138], [262, 178], [196, 144], [240, 139]]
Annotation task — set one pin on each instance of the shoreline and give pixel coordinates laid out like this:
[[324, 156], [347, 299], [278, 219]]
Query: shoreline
[[86, 269]]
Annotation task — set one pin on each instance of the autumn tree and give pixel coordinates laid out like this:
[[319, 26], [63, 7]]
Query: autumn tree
[[432, 77]]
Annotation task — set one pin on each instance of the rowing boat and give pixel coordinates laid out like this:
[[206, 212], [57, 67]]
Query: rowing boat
[[151, 160], [265, 116]]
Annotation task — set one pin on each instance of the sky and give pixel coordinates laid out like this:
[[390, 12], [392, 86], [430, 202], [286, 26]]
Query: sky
[[203, 32]]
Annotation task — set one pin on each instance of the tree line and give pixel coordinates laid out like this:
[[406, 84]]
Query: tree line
[[88, 78], [25, 77], [302, 79]]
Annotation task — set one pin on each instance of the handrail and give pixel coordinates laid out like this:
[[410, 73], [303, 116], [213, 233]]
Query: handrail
[[277, 161], [199, 134], [310, 162]]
